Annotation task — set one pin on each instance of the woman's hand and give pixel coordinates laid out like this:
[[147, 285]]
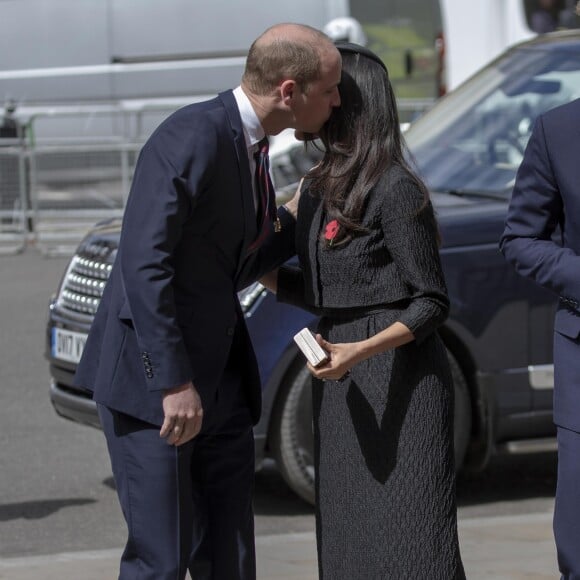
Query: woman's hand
[[270, 280], [292, 205], [342, 357]]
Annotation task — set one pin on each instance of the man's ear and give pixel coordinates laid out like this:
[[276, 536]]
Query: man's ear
[[288, 91]]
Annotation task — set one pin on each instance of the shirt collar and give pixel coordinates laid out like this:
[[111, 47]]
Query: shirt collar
[[253, 131]]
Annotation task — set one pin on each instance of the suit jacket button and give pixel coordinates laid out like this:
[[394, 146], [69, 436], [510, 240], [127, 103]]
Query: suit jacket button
[[149, 375]]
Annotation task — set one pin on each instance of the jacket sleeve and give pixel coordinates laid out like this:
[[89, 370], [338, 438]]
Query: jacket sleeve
[[410, 231], [536, 209], [278, 247], [160, 201]]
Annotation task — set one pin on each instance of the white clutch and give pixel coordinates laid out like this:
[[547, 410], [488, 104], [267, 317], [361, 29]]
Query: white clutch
[[306, 342]]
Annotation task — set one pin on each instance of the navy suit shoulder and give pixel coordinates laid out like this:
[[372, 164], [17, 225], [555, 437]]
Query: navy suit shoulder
[[563, 113], [198, 132], [561, 132]]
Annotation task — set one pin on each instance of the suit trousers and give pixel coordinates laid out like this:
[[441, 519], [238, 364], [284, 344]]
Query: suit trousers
[[567, 506], [187, 507]]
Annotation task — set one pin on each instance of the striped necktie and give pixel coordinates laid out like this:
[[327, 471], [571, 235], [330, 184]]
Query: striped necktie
[[266, 195]]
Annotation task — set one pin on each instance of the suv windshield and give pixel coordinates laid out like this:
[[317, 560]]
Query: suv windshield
[[473, 140]]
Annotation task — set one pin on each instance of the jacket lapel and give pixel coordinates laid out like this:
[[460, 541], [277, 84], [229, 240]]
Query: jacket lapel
[[310, 210], [246, 191]]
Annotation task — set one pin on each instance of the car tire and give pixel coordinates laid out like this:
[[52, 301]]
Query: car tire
[[292, 439], [462, 412], [291, 436]]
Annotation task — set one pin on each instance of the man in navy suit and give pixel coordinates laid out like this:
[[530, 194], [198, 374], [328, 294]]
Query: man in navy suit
[[168, 357], [542, 240]]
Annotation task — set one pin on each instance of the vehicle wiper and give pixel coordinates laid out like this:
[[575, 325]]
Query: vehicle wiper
[[473, 193]]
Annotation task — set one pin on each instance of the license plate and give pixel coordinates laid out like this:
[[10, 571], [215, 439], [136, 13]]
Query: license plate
[[68, 345]]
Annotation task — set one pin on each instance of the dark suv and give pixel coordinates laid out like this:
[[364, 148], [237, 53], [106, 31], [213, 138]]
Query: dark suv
[[499, 332]]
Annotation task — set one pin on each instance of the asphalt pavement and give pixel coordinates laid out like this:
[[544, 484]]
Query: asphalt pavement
[[59, 516], [516, 547]]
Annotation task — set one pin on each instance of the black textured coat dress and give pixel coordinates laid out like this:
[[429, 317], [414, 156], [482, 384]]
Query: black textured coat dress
[[385, 487]]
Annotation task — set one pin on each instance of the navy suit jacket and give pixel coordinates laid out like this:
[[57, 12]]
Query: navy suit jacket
[[170, 309], [542, 239]]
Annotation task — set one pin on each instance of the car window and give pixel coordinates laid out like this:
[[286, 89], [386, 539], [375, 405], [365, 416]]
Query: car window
[[474, 139], [290, 161]]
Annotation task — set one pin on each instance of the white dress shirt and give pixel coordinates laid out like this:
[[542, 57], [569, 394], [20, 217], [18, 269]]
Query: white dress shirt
[[253, 132]]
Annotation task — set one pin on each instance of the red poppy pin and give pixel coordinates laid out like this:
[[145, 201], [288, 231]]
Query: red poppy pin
[[331, 231]]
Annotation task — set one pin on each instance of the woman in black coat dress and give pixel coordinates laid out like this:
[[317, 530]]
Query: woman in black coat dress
[[367, 242]]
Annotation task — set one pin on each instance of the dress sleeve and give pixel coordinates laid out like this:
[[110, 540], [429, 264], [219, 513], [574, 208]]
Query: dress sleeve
[[291, 288], [410, 232]]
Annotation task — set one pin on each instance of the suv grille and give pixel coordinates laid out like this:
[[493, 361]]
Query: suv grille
[[85, 278], [89, 270]]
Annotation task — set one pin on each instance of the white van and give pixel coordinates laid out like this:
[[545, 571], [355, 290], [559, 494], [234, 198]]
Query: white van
[[474, 33], [67, 51], [101, 51], [71, 51]]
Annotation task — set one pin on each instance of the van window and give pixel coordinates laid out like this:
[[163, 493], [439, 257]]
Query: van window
[[404, 34], [550, 15]]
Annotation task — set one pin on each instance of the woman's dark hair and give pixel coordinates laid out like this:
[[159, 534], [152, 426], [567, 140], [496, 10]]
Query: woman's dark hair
[[362, 139]]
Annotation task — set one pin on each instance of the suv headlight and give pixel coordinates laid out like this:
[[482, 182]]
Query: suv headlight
[[249, 296]]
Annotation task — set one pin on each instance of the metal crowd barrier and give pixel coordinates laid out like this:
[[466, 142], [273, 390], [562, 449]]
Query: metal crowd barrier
[[14, 204], [74, 167], [73, 187]]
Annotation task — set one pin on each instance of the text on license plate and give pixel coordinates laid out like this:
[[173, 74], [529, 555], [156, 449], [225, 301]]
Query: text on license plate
[[68, 345]]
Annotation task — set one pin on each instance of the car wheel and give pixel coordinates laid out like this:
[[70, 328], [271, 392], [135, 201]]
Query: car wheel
[[292, 437], [292, 434]]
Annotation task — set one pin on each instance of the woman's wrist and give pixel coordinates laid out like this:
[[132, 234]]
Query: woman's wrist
[[291, 208], [361, 351]]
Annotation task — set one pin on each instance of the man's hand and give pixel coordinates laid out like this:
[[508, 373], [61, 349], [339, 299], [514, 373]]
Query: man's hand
[[183, 414]]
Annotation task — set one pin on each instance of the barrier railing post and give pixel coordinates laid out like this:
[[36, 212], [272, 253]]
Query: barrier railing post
[[12, 197]]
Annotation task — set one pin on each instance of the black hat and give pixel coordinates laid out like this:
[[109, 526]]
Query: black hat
[[358, 49]]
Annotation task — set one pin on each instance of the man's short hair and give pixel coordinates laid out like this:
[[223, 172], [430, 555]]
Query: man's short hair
[[269, 63]]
